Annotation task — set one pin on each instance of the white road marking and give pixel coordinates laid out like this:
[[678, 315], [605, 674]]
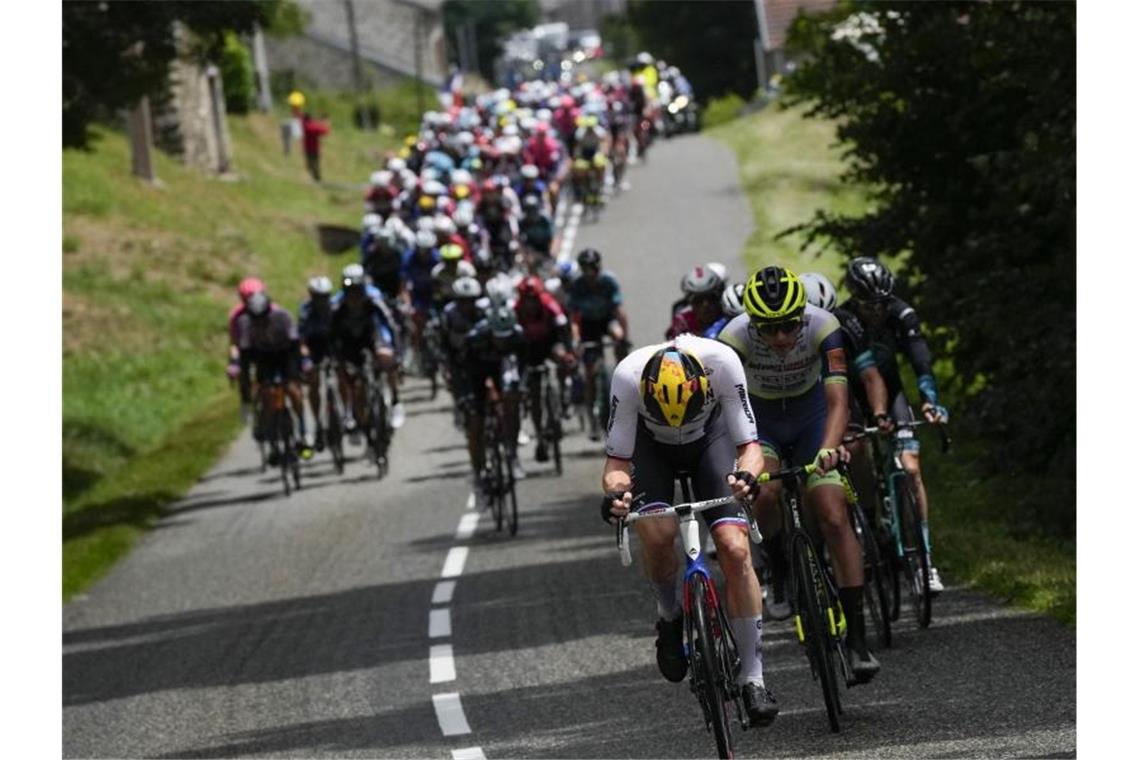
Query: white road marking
[[453, 565], [443, 592], [449, 713], [468, 753], [439, 623], [442, 664], [467, 525]]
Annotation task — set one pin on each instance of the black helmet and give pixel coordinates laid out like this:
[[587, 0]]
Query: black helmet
[[589, 257], [868, 279], [774, 294]]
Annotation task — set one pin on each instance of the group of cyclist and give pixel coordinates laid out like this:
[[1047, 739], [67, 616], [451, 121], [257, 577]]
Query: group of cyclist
[[757, 375]]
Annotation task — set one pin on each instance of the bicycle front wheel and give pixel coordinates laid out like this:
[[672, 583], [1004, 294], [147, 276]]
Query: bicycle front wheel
[[285, 447], [813, 624], [498, 477], [916, 558], [707, 680]]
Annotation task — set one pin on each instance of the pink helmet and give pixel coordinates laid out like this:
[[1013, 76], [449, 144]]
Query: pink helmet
[[249, 286]]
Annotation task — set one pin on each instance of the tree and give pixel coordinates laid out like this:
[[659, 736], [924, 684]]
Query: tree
[[115, 52], [961, 120], [710, 42], [493, 21]]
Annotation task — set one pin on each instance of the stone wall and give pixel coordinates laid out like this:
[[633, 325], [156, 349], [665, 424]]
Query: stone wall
[[199, 110], [320, 65]]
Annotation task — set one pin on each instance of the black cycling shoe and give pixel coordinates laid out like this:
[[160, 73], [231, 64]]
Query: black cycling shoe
[[274, 457], [670, 650], [540, 452], [864, 666], [319, 443], [759, 704]]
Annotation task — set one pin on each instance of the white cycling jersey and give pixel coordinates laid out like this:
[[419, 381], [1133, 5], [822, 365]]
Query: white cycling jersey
[[727, 389]]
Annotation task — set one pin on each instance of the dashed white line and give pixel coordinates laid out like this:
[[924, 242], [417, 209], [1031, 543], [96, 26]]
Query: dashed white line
[[442, 663], [453, 565], [468, 753], [449, 713], [439, 623], [467, 525], [443, 592]]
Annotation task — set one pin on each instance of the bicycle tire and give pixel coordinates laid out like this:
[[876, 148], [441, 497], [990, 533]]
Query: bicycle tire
[[284, 445], [706, 679], [334, 435], [380, 437], [813, 603], [509, 493], [916, 558], [874, 578], [497, 479], [554, 425]]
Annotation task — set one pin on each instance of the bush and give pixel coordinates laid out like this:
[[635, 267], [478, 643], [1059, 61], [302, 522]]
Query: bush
[[237, 75], [722, 110]]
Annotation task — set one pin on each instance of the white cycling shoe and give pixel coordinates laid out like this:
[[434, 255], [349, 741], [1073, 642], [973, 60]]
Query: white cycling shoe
[[517, 470], [398, 415], [936, 586]]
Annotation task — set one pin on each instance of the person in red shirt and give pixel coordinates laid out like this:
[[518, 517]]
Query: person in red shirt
[[312, 131], [547, 334]]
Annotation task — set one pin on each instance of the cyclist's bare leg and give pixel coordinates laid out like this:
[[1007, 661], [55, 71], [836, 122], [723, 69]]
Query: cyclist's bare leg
[[475, 441], [734, 556], [313, 382], [910, 463], [297, 401], [511, 401], [659, 560], [534, 388], [829, 505]]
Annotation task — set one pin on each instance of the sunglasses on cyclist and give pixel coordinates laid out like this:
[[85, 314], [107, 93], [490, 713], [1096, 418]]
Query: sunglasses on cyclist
[[788, 326]]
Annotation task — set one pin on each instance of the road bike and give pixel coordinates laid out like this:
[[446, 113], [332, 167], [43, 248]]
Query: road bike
[[899, 520], [710, 646], [818, 616], [332, 412], [498, 479], [431, 356], [377, 427], [598, 414], [877, 569], [550, 396], [281, 434]]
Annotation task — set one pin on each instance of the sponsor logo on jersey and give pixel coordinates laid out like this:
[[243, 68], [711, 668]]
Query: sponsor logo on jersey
[[613, 414], [837, 361], [743, 393]]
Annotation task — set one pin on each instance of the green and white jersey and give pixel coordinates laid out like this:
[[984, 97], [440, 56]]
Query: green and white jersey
[[774, 376]]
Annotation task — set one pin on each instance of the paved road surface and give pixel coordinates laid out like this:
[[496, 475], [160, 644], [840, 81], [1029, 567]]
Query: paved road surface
[[250, 624]]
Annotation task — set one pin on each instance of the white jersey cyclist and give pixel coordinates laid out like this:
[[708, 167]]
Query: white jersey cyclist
[[773, 376], [727, 396]]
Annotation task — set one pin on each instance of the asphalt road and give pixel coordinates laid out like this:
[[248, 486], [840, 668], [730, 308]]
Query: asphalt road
[[384, 618]]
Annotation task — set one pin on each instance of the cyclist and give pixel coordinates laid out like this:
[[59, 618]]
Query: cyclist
[[382, 255], [446, 272], [682, 406], [492, 352], [419, 263], [361, 325], [891, 326], [246, 288], [536, 229], [703, 288], [596, 306], [314, 319], [547, 333], [268, 339], [459, 316], [797, 378]]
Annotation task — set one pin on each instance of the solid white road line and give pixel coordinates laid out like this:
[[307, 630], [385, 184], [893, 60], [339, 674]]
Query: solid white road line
[[439, 623], [443, 592], [467, 525], [468, 753], [449, 713], [453, 565], [442, 664]]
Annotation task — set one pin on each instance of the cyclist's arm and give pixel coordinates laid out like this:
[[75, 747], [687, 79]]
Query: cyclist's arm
[[617, 475], [834, 372], [917, 351]]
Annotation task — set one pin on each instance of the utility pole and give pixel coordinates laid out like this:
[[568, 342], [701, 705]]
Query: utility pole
[[141, 136], [357, 74], [761, 45]]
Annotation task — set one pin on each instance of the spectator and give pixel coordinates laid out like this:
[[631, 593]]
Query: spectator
[[313, 130]]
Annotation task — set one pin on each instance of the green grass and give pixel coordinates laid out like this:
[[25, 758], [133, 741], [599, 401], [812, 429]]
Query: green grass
[[148, 277], [790, 167]]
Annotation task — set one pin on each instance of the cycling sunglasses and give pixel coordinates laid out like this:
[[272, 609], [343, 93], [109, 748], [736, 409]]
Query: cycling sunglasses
[[787, 326]]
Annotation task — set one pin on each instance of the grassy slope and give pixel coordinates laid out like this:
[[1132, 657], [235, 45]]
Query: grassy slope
[[789, 167], [148, 277]]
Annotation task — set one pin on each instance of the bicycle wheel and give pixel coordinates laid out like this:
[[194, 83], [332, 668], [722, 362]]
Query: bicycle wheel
[[813, 623], [495, 451], [511, 501], [874, 577], [916, 559], [554, 425], [333, 433], [707, 681], [284, 446], [380, 433]]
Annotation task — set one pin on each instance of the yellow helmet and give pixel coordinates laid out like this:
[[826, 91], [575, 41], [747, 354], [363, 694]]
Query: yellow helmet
[[296, 99], [774, 294], [674, 387]]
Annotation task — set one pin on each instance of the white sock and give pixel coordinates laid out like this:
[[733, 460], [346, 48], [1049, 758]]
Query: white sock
[[748, 633], [666, 596]]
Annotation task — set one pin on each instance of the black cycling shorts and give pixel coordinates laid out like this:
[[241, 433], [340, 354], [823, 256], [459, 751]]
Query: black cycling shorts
[[269, 365], [708, 460]]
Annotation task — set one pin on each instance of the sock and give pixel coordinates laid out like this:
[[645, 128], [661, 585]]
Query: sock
[[925, 527], [851, 598], [748, 632], [668, 607]]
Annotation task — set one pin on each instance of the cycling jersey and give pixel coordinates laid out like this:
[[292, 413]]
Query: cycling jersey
[[685, 321], [538, 233], [417, 273], [363, 326], [900, 331], [276, 331], [313, 325], [595, 302], [728, 396], [485, 357], [445, 276], [817, 352], [542, 327]]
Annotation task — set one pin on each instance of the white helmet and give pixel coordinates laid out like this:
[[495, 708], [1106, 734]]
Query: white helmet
[[820, 291], [425, 223], [702, 280], [719, 268], [466, 287], [320, 286], [380, 178], [371, 220], [444, 225], [732, 302], [502, 321], [353, 274], [425, 239]]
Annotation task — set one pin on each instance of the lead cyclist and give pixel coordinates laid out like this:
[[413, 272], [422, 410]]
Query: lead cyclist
[[682, 406]]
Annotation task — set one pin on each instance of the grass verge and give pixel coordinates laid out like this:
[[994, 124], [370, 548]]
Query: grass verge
[[789, 168], [148, 277]]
